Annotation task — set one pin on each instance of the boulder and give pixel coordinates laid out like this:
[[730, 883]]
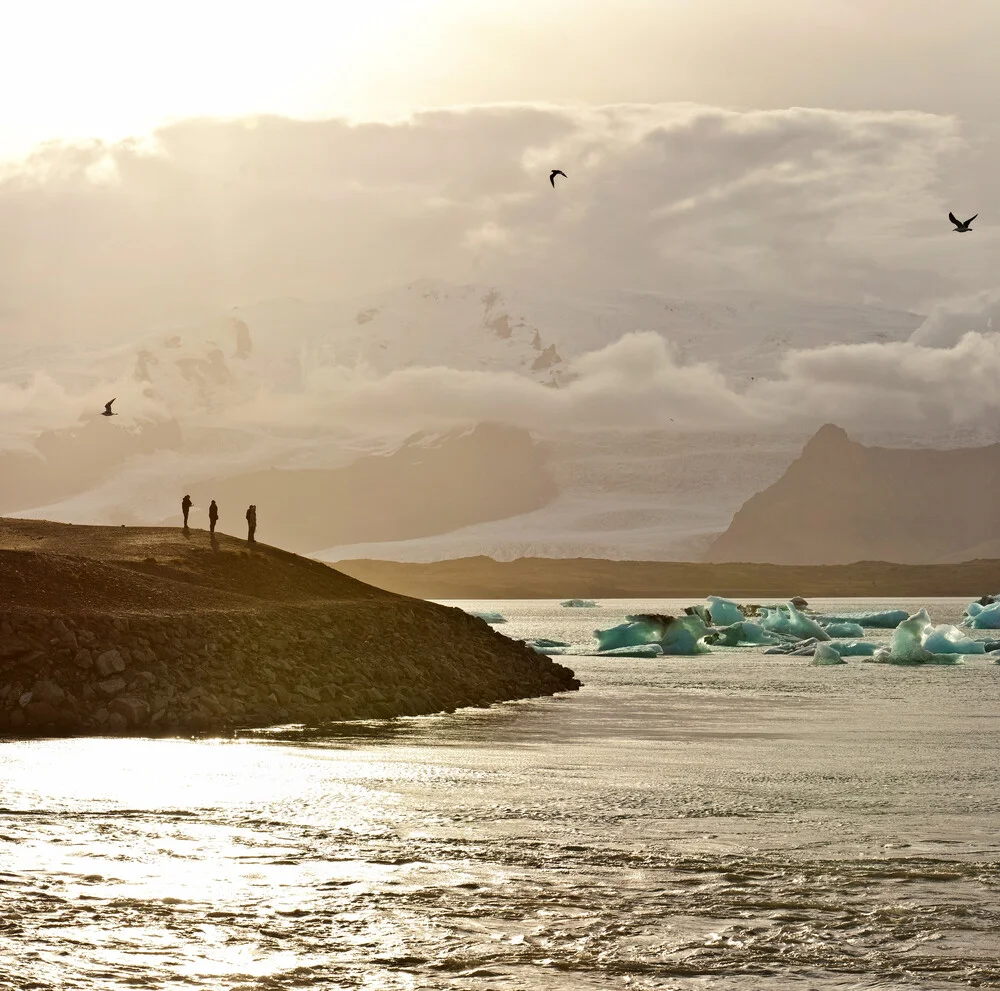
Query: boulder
[[135, 711], [111, 687], [109, 663], [44, 690], [116, 723]]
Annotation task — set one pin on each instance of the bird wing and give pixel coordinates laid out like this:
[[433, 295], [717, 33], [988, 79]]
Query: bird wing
[[953, 218], [552, 179], [107, 405], [969, 221]]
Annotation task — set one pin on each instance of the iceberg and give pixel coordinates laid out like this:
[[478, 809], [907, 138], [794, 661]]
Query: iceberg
[[640, 650], [787, 619], [826, 654], [724, 612], [489, 617], [981, 617], [541, 645], [844, 629], [945, 639], [907, 644], [675, 635], [854, 648], [744, 634], [579, 604], [873, 620]]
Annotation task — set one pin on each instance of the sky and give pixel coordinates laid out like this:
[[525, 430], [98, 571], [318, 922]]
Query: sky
[[164, 160], [110, 68]]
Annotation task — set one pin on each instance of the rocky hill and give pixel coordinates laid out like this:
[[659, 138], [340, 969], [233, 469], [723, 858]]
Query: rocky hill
[[842, 502], [149, 630]]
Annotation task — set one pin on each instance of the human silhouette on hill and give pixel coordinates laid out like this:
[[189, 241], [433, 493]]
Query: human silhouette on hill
[[185, 509], [213, 517], [251, 523]]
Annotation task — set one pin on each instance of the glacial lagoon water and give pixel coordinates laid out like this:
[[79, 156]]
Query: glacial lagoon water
[[726, 821]]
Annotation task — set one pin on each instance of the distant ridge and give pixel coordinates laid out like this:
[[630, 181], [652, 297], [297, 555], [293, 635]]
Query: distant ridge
[[841, 502], [560, 578]]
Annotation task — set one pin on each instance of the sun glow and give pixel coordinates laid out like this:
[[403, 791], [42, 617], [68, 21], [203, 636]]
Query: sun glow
[[111, 68]]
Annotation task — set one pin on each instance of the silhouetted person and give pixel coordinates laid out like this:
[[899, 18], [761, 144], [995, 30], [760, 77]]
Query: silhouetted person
[[213, 517], [185, 509], [251, 523]]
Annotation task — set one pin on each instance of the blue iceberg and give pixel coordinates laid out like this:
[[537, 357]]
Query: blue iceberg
[[542, 645], [640, 650], [907, 645], [579, 604], [945, 639], [489, 617], [872, 620], [788, 620], [745, 634], [844, 629], [825, 654], [724, 612], [675, 635], [854, 648], [981, 617]]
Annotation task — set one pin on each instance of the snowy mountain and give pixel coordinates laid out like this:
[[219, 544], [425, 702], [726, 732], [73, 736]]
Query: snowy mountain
[[223, 398], [536, 333]]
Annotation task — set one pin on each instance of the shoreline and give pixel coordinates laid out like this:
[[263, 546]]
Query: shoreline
[[147, 631]]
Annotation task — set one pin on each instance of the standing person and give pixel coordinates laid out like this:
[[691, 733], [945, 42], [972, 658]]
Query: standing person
[[251, 523], [213, 517], [185, 509]]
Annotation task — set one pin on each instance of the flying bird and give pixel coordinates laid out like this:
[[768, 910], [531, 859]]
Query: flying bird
[[554, 173], [107, 409], [961, 226]]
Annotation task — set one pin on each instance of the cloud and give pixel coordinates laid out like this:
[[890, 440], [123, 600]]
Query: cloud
[[101, 238], [638, 383]]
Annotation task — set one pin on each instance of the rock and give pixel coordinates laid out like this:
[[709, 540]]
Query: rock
[[40, 713], [108, 663], [144, 679], [101, 715], [83, 659], [112, 686], [48, 691], [25, 699], [135, 711], [117, 723]]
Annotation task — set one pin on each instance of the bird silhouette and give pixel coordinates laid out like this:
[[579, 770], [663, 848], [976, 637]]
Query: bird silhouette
[[554, 173], [962, 226], [107, 409]]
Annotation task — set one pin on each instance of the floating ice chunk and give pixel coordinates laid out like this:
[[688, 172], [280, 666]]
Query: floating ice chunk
[[541, 645], [787, 619], [579, 604], [983, 617], [683, 635], [872, 620], [844, 629], [854, 648], [945, 639], [745, 633], [489, 617], [907, 644], [724, 612], [640, 650], [825, 654]]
